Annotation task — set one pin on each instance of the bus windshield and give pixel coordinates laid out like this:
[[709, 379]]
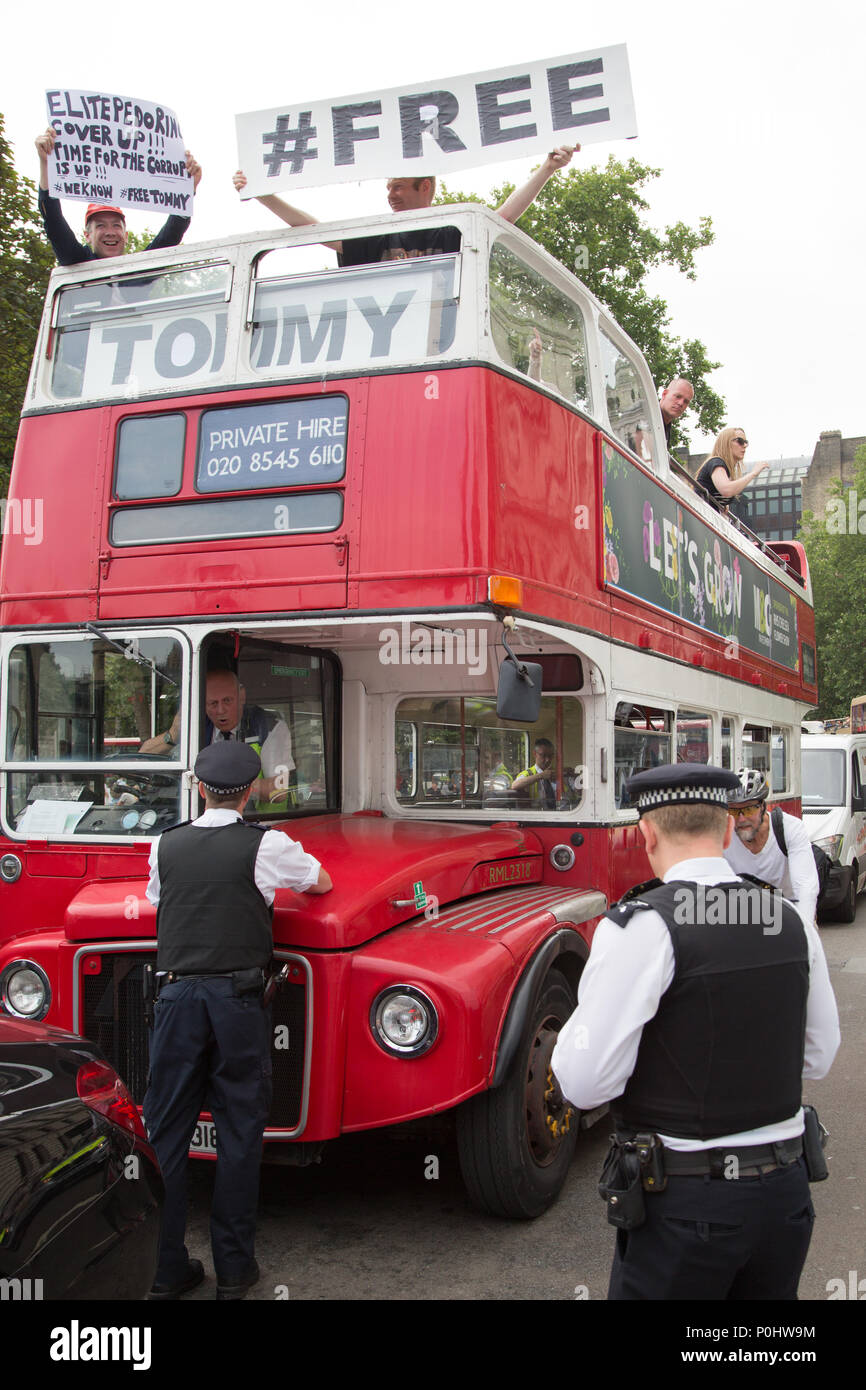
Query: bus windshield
[[75, 706]]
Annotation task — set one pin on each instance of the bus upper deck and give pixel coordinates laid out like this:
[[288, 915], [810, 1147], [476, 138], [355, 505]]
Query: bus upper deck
[[220, 434]]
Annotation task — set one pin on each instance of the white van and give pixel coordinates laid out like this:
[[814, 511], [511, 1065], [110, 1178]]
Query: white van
[[834, 813]]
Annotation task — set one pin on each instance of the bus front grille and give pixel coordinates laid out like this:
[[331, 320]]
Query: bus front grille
[[113, 1017]]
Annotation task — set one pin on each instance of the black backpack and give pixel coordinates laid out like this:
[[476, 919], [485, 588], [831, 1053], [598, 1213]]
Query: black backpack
[[823, 862]]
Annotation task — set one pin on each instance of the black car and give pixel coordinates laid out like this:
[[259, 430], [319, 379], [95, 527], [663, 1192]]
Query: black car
[[80, 1187]]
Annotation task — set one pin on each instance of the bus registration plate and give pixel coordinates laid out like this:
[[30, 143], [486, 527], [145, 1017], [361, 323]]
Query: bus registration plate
[[204, 1138]]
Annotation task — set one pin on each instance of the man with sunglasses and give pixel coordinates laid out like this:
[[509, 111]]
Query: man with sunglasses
[[754, 850]]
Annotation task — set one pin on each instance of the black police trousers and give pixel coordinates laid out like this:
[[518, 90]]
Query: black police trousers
[[718, 1238], [210, 1050]]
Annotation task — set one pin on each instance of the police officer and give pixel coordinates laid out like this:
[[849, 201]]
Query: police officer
[[703, 1003], [213, 883]]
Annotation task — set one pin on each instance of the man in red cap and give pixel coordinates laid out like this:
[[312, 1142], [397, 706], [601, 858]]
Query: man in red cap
[[104, 227]]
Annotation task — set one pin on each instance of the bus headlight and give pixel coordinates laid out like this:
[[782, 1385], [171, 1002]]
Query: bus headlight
[[25, 991], [404, 1021]]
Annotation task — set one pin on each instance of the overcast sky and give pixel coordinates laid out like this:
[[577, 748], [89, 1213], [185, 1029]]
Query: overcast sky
[[754, 112]]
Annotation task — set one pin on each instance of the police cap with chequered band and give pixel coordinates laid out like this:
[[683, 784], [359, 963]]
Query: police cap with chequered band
[[680, 784], [227, 766]]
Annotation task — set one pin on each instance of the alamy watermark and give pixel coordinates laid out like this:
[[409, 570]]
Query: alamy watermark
[[22, 516], [846, 516], [20, 1290], [77, 1343], [421, 646], [709, 905]]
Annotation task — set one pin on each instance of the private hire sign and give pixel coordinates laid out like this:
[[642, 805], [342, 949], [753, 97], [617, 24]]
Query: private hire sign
[[437, 127]]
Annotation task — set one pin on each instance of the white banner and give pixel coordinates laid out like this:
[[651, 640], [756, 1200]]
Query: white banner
[[437, 127], [117, 150]]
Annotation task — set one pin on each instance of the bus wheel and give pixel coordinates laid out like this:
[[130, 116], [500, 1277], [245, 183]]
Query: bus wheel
[[516, 1142], [847, 909]]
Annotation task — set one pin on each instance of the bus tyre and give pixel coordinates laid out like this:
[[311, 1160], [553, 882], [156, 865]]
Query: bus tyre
[[847, 909], [516, 1142]]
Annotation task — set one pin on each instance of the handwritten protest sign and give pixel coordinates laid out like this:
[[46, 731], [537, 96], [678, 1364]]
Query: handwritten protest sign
[[436, 127], [117, 150]]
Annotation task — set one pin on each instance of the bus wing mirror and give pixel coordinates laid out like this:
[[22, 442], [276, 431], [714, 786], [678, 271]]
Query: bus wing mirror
[[518, 693]]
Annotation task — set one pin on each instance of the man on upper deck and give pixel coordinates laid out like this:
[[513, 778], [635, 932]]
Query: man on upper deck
[[675, 401], [405, 194], [104, 227]]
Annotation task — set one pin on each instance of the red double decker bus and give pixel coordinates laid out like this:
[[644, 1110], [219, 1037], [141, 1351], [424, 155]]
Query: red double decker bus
[[336, 485]]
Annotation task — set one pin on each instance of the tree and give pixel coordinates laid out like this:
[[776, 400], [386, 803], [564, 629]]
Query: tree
[[592, 221], [26, 261], [837, 560]]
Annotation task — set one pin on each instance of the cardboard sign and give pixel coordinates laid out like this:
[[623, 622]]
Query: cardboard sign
[[438, 127], [119, 151]]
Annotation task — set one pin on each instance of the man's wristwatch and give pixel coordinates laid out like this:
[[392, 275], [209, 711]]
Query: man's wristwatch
[[168, 739]]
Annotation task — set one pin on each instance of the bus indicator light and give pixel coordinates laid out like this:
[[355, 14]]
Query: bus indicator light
[[505, 591]]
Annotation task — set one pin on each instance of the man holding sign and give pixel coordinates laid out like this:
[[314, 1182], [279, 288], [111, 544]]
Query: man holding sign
[[405, 194], [104, 226]]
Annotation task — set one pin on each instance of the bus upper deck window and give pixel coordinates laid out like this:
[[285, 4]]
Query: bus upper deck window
[[365, 316], [627, 406], [154, 330], [526, 309]]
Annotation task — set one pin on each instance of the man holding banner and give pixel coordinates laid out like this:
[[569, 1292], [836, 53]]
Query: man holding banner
[[104, 226], [405, 194]]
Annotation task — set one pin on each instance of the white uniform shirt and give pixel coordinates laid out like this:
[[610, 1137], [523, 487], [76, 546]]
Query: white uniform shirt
[[628, 971], [280, 861], [796, 876]]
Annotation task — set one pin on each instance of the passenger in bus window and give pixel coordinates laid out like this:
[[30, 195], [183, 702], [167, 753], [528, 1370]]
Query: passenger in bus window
[[405, 194], [721, 478], [104, 227], [229, 717], [536, 783], [674, 402]]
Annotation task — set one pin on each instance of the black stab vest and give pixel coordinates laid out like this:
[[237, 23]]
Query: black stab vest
[[724, 1052], [211, 917]]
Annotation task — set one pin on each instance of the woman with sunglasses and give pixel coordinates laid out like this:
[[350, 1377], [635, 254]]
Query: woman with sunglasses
[[721, 478]]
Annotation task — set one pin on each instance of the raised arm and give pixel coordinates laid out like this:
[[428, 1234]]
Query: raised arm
[[295, 217], [64, 243], [516, 203], [732, 487], [45, 147]]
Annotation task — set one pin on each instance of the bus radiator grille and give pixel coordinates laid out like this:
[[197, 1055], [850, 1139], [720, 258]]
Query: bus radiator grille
[[113, 1017]]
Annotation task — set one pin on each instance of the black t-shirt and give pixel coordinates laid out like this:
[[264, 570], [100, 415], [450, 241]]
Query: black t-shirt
[[400, 246], [705, 480]]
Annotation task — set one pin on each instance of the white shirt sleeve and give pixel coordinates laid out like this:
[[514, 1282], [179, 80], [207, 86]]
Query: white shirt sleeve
[[282, 863], [277, 750], [152, 890], [628, 971], [822, 1016], [801, 868]]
